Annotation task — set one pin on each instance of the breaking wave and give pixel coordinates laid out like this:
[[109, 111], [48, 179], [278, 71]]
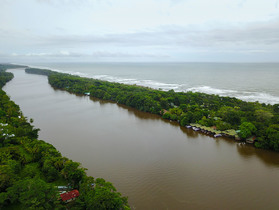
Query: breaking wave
[[145, 83], [243, 95], [211, 90]]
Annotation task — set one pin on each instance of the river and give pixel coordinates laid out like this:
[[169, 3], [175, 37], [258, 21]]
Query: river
[[157, 164]]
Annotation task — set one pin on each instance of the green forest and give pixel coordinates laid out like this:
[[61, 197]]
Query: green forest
[[31, 169], [221, 113]]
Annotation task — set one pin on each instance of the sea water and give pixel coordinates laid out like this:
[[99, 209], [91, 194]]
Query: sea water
[[246, 81]]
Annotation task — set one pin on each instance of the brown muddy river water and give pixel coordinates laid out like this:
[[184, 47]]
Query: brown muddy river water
[[158, 165]]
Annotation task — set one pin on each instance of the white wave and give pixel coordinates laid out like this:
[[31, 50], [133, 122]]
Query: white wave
[[131, 81], [79, 74], [260, 97], [243, 95], [210, 90]]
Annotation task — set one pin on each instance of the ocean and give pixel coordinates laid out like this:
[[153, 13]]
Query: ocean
[[246, 81]]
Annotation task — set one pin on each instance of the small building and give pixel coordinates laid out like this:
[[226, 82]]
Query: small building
[[87, 94], [251, 140], [195, 128], [69, 196]]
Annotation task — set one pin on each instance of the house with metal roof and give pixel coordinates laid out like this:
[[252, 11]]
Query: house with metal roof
[[69, 196]]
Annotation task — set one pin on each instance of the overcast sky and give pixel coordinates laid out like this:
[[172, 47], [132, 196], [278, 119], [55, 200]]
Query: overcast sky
[[139, 30]]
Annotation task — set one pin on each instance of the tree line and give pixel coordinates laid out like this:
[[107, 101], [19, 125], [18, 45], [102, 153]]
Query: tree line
[[224, 113], [31, 169]]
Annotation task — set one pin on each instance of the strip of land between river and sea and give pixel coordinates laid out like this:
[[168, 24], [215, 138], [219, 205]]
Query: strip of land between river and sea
[[251, 122]]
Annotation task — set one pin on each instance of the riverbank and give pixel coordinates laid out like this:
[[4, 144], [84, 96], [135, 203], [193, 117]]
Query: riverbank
[[31, 169], [227, 114], [157, 163]]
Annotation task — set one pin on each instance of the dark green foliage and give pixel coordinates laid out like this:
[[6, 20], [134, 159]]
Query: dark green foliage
[[31, 170], [7, 76], [247, 129], [272, 133], [33, 194], [38, 71], [73, 173], [99, 195]]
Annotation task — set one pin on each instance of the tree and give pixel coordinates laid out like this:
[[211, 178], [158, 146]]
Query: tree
[[3, 199], [221, 125], [276, 108], [73, 173], [246, 130], [263, 115], [7, 177], [273, 136], [167, 115], [230, 115], [100, 194], [186, 118], [164, 103], [34, 194], [106, 197], [177, 111], [31, 170]]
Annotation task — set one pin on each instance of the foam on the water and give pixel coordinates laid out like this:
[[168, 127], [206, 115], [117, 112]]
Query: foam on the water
[[243, 95], [261, 97], [211, 90]]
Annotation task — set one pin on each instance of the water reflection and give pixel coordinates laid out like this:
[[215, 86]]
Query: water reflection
[[189, 132], [270, 158]]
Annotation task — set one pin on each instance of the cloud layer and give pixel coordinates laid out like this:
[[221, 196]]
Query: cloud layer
[[168, 30]]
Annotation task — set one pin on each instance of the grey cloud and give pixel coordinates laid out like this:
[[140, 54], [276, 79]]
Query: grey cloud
[[101, 54], [258, 35], [125, 55], [257, 38], [47, 55], [73, 4]]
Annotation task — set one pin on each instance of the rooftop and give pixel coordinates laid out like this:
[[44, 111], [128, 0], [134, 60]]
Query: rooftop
[[69, 195]]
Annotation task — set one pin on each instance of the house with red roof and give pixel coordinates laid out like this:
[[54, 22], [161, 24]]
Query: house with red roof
[[69, 196]]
